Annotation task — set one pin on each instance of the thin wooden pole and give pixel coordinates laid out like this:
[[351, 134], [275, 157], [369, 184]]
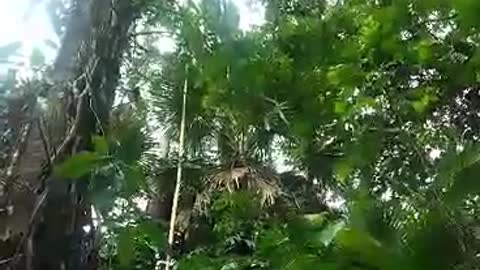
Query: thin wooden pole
[[178, 184]]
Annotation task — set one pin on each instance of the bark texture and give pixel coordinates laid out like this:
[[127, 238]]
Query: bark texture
[[41, 217]]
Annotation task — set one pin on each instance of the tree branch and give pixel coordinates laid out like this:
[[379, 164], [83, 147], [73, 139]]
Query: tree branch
[[155, 32], [441, 19], [46, 144]]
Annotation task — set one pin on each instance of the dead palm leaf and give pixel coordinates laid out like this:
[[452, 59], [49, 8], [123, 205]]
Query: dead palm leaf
[[261, 180]]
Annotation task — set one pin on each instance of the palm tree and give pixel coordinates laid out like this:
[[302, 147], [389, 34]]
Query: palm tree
[[225, 151]]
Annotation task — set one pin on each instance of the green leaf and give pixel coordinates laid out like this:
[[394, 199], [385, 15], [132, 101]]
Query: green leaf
[[340, 108], [126, 247], [467, 12], [104, 200], [316, 219], [134, 180], [424, 98], [465, 183], [155, 232], [424, 50], [346, 75], [458, 174], [419, 106], [329, 233], [342, 170], [230, 266], [193, 37], [365, 247], [370, 33], [453, 163], [100, 145], [129, 143], [78, 165]]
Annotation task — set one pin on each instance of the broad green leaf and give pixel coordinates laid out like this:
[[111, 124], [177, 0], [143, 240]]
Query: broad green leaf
[[134, 180], [270, 240], [419, 106], [467, 12], [79, 165], [104, 200], [465, 183], [347, 76], [365, 248], [126, 247], [329, 233], [458, 174], [100, 145], [453, 163], [155, 231]]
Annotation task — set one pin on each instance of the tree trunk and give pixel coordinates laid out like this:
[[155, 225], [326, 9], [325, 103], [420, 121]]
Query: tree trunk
[[44, 226]]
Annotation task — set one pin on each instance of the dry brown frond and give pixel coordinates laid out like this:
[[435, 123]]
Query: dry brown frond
[[261, 180]]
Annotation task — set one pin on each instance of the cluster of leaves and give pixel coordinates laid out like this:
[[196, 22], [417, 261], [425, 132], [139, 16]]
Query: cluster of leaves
[[357, 95]]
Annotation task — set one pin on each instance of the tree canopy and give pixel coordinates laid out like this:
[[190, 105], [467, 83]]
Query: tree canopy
[[370, 107]]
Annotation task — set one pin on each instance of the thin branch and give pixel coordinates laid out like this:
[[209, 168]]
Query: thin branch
[[31, 225], [441, 19], [16, 155], [94, 112], [278, 107], [140, 46], [19, 184], [81, 99], [146, 33], [6, 260], [15, 160], [46, 144], [73, 129]]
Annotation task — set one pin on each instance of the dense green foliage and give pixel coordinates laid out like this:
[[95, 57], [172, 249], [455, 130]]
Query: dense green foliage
[[372, 106], [355, 96]]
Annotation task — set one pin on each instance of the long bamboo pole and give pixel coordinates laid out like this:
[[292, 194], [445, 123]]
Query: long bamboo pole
[[178, 184]]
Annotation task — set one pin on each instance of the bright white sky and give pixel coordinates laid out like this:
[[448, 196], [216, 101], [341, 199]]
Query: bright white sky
[[36, 28], [32, 31]]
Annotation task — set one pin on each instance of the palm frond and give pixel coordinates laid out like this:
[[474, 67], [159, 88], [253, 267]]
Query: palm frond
[[260, 180]]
